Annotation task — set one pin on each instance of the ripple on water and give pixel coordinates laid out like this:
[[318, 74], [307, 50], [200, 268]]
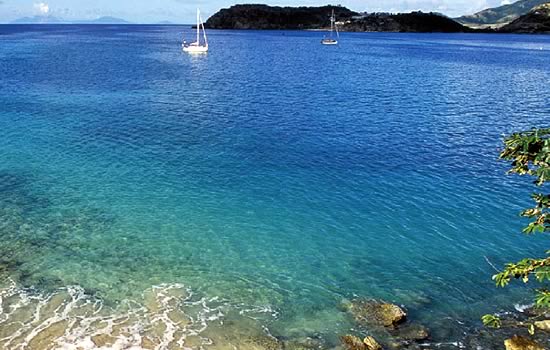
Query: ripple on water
[[164, 317], [233, 175]]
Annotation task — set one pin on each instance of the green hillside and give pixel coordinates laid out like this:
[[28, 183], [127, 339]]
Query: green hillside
[[501, 15]]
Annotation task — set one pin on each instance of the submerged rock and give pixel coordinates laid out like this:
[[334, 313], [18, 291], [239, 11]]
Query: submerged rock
[[412, 331], [536, 312], [351, 342], [518, 342], [412, 298], [543, 325], [305, 343], [371, 343], [267, 343], [377, 312], [102, 340]]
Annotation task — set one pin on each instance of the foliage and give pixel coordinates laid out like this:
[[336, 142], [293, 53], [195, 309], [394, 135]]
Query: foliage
[[491, 321], [529, 153]]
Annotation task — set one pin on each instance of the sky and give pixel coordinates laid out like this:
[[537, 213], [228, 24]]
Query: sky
[[184, 11]]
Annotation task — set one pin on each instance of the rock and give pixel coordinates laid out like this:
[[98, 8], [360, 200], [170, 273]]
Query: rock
[[538, 312], [147, 343], [306, 343], [518, 342], [543, 325], [265, 342], [371, 343], [412, 332], [377, 313], [101, 340], [415, 299], [345, 305], [48, 335], [352, 342]]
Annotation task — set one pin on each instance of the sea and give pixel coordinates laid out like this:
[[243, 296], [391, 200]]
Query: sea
[[239, 199]]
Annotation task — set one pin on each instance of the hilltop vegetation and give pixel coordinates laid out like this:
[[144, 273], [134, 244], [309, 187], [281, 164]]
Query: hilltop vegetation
[[419, 22], [499, 16], [536, 21], [275, 17]]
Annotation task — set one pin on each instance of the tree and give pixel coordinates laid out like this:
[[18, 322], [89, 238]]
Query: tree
[[529, 153]]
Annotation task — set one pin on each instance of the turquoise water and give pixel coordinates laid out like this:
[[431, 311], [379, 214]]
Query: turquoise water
[[273, 177]]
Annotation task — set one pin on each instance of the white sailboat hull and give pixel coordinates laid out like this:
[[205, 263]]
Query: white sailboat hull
[[195, 48], [333, 28]]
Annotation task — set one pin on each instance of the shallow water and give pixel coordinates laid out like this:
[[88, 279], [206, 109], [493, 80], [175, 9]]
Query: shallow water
[[258, 185]]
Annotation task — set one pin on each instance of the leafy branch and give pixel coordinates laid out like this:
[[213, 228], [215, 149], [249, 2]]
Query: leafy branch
[[529, 154]]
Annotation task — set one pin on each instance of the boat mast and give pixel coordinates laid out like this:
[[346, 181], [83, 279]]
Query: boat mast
[[204, 34], [332, 24], [335, 27]]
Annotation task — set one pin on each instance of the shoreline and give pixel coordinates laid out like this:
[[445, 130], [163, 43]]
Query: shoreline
[[172, 316], [473, 31]]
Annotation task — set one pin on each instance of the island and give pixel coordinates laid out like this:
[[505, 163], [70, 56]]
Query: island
[[318, 18], [57, 20], [264, 17], [275, 17], [414, 22]]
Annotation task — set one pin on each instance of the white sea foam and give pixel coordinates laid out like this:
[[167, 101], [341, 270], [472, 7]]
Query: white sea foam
[[522, 307], [169, 316]]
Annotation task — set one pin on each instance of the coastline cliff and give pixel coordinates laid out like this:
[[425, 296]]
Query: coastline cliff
[[274, 17], [414, 22], [536, 21], [264, 17]]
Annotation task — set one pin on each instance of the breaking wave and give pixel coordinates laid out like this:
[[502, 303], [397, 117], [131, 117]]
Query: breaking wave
[[169, 316]]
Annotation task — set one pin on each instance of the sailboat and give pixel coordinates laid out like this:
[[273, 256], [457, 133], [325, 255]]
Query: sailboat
[[330, 39], [197, 47]]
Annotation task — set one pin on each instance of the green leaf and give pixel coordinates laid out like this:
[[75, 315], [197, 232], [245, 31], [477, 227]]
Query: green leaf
[[491, 321], [543, 273], [501, 279], [531, 329], [543, 299], [529, 154]]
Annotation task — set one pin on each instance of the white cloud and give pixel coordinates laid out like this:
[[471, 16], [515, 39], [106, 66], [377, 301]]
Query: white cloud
[[505, 2], [42, 8]]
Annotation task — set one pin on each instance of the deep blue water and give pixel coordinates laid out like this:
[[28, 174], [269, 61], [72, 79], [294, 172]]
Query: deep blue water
[[273, 173]]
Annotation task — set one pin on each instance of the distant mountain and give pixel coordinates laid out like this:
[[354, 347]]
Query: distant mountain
[[535, 21], [165, 23], [103, 20], [499, 16], [275, 17], [56, 20], [38, 19]]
